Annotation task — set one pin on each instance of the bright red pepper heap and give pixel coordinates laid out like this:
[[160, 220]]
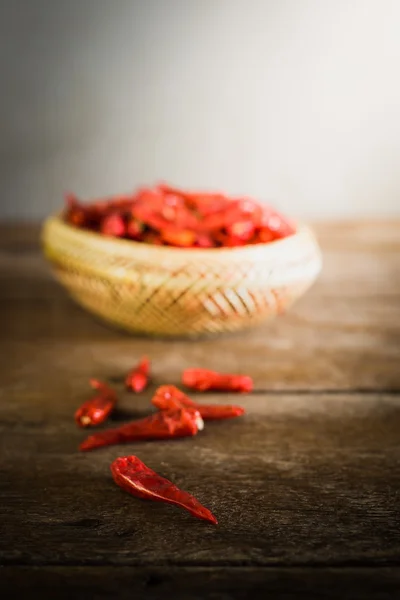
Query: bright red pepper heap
[[171, 217]]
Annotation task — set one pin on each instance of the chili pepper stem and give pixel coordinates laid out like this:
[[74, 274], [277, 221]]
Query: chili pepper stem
[[199, 423], [96, 410]]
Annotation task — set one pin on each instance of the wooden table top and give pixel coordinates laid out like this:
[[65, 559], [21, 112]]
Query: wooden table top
[[306, 487]]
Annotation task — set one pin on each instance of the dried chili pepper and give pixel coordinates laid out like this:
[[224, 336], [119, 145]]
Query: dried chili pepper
[[169, 397], [133, 476], [183, 239], [265, 235], [114, 225], [208, 204], [74, 211], [275, 223], [163, 425], [97, 409], [204, 241], [134, 229], [203, 379], [164, 215], [242, 230], [138, 378], [151, 237]]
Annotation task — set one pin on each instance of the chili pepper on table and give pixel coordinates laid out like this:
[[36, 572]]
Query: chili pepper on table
[[97, 409], [169, 397], [138, 378], [204, 379], [133, 476], [162, 425]]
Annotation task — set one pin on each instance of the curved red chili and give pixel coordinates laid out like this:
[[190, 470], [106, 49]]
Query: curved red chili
[[204, 379], [133, 476], [113, 224], [138, 378], [169, 397], [163, 425], [97, 409]]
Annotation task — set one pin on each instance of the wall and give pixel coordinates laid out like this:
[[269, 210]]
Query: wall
[[291, 100]]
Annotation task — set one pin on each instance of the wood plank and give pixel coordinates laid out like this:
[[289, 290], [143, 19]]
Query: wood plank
[[344, 334], [203, 583], [304, 482], [287, 357], [301, 480], [19, 235]]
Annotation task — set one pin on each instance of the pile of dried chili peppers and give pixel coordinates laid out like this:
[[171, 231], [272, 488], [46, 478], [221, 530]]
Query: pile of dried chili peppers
[[167, 216], [178, 416]]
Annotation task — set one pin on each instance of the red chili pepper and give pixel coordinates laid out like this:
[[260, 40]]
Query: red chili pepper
[[276, 223], [95, 411], [133, 476], [203, 379], [201, 202], [280, 227], [169, 397], [210, 204], [163, 425], [167, 189], [205, 241], [138, 379], [178, 215], [229, 241], [265, 235], [226, 217], [164, 215], [152, 219], [243, 230], [74, 212], [114, 225], [134, 229], [169, 212], [151, 237], [183, 238]]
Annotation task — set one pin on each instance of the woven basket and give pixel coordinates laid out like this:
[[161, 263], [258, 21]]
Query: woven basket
[[169, 291]]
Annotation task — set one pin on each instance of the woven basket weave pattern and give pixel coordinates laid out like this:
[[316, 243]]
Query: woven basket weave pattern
[[169, 291]]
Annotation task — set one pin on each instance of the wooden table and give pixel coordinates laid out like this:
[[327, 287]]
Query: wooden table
[[306, 487]]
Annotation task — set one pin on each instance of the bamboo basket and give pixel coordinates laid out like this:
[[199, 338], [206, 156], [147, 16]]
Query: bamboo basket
[[166, 291]]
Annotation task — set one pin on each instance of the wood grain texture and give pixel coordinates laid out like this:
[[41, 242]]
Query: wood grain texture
[[343, 335], [305, 486], [199, 583], [299, 480]]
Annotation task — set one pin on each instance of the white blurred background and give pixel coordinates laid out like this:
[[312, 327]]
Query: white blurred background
[[294, 101]]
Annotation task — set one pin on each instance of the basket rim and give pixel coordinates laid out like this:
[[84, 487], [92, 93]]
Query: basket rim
[[87, 236]]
